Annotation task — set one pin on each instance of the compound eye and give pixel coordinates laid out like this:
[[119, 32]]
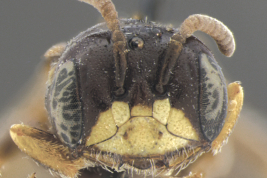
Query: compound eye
[[213, 97], [136, 42], [65, 105]]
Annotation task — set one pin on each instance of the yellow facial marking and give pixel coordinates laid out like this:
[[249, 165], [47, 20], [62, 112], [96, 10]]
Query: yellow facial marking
[[104, 128], [161, 109], [180, 125], [142, 136], [144, 133], [141, 110], [121, 112]]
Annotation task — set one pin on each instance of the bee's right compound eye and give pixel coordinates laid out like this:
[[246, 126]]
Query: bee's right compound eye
[[64, 105], [212, 97]]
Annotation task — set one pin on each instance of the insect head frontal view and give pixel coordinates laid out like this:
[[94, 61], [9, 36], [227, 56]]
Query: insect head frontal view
[[136, 97]]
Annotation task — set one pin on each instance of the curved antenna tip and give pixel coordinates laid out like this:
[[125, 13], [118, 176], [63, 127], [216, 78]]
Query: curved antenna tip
[[213, 27]]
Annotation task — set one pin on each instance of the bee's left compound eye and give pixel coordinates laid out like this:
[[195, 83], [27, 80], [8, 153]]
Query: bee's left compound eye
[[64, 104], [212, 97]]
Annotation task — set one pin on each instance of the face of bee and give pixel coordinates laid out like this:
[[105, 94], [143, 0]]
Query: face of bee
[[138, 109], [84, 110]]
